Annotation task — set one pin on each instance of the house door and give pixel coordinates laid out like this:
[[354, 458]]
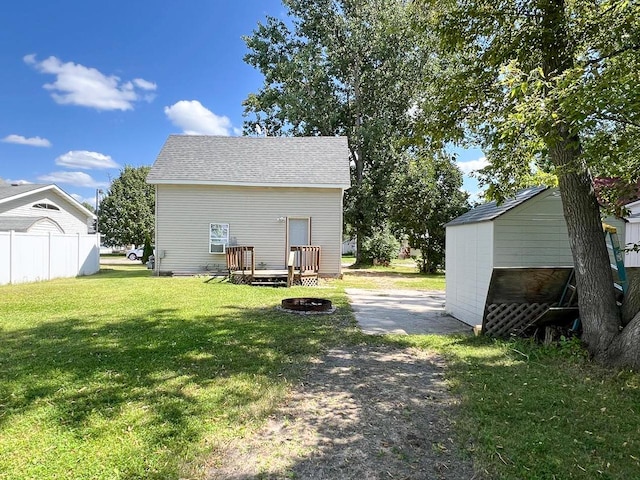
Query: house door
[[299, 231]]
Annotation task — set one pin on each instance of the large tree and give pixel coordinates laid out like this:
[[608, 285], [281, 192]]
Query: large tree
[[551, 84], [426, 194], [342, 67], [126, 214]]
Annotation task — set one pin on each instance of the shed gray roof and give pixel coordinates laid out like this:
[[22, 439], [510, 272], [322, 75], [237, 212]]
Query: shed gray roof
[[490, 211], [259, 161], [19, 224]]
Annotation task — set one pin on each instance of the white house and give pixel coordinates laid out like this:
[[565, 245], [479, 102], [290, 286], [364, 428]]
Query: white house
[[41, 208], [44, 235], [267, 192], [632, 233]]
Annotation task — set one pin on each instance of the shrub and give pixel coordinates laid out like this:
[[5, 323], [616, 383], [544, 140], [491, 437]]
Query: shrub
[[381, 248]]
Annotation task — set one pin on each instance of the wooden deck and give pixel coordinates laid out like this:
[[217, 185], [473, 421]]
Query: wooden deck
[[302, 269]]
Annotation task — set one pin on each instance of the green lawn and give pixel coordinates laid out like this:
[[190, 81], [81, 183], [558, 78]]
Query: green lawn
[[122, 375], [401, 274], [530, 412]]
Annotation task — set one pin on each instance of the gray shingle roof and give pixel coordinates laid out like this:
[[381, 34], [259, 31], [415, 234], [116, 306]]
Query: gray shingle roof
[[491, 210], [19, 224], [282, 161], [7, 191]]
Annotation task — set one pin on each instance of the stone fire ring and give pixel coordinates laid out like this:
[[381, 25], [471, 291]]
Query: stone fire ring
[[307, 306]]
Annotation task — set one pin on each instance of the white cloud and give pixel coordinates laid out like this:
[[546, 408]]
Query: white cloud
[[90, 200], [194, 119], [77, 179], [473, 165], [76, 84], [86, 160], [144, 84], [18, 182], [31, 141]]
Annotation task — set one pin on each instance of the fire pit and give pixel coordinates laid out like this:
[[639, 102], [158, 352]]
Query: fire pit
[[307, 305]]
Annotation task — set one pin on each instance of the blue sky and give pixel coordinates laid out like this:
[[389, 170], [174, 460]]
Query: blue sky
[[88, 87]]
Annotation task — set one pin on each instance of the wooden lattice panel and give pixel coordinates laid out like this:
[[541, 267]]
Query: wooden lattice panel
[[503, 319], [309, 281], [299, 281]]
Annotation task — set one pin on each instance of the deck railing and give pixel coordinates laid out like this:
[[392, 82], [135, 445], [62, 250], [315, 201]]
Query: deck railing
[[306, 259], [241, 259]]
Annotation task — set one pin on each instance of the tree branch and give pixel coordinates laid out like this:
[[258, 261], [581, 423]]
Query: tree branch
[[613, 54], [613, 118]]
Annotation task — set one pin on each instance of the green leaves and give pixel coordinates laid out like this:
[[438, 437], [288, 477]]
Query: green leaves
[[344, 67], [127, 212], [426, 194]]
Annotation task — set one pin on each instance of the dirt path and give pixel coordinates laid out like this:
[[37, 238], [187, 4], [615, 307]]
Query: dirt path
[[367, 412]]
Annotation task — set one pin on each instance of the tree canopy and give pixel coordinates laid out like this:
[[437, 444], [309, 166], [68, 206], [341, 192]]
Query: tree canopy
[[549, 85], [343, 67], [126, 213], [426, 194]]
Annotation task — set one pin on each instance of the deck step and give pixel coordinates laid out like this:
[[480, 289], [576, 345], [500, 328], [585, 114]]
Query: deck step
[[269, 283]]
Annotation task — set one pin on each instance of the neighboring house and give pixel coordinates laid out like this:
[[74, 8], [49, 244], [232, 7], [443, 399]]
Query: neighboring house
[[41, 208], [44, 234], [632, 233], [267, 192], [528, 231]]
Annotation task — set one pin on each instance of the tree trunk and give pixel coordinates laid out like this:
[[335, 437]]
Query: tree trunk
[[601, 321], [631, 304], [596, 297]]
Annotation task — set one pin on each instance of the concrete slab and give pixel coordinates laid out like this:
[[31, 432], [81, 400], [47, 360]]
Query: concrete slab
[[408, 312]]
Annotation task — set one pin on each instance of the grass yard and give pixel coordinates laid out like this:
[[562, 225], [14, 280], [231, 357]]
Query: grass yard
[[530, 412], [123, 375], [401, 274]]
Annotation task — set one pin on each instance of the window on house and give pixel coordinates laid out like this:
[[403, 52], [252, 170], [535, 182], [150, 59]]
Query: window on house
[[218, 237], [46, 206]]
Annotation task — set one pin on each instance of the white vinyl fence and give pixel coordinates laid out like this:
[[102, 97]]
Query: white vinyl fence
[[33, 257]]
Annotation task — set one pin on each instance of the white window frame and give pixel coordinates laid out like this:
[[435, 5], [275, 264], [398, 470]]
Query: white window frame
[[218, 240]]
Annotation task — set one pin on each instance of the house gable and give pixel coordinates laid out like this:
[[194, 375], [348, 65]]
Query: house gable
[[35, 201]]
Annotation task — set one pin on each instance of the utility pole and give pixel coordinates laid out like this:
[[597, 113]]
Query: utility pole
[[98, 193]]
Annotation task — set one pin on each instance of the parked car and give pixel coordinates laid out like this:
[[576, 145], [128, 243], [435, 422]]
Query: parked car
[[135, 253]]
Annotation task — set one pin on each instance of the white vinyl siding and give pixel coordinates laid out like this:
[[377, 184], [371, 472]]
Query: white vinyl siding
[[632, 235], [632, 259], [45, 225], [69, 218], [469, 260], [254, 215], [533, 234]]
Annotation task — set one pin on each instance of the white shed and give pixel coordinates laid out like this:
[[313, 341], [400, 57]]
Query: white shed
[[526, 233]]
